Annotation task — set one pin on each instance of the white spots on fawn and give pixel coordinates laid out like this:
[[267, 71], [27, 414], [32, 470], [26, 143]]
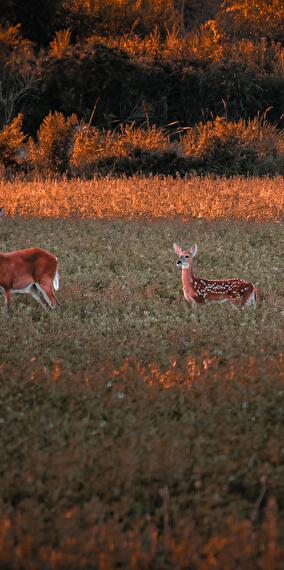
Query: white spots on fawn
[[236, 291]]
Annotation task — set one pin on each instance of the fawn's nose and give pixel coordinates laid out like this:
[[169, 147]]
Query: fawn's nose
[[178, 262]]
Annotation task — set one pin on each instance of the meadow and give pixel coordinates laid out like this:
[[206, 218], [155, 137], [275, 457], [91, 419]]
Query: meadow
[[136, 432]]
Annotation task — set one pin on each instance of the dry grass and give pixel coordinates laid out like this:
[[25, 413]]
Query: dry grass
[[137, 197], [137, 433]]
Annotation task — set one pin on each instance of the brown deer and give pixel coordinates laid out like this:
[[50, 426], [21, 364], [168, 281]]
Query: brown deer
[[32, 271]]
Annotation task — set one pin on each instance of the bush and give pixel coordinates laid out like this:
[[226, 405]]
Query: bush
[[253, 147], [50, 154], [83, 75], [120, 16], [15, 51], [11, 143], [90, 146], [218, 146], [253, 18], [132, 150]]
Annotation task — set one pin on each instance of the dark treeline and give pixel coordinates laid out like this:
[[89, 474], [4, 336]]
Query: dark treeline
[[165, 63]]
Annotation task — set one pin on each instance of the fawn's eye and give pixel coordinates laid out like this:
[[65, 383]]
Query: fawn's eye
[[186, 256]]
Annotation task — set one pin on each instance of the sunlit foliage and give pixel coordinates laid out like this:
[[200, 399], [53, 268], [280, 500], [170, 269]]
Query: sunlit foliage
[[53, 147], [150, 59], [124, 15], [11, 142], [225, 145], [60, 43], [142, 197], [254, 18], [220, 146]]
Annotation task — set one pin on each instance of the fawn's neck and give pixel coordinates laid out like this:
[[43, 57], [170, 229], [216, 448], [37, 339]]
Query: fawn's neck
[[187, 281]]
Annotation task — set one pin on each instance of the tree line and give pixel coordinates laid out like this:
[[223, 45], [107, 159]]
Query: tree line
[[171, 64]]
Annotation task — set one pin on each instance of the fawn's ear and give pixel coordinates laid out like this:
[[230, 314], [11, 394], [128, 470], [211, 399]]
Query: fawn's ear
[[193, 250], [177, 249]]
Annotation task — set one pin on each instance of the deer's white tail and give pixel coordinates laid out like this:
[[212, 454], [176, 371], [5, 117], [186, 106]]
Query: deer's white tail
[[56, 280]]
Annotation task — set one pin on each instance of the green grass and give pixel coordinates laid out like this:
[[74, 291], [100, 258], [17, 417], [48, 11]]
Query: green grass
[[136, 432]]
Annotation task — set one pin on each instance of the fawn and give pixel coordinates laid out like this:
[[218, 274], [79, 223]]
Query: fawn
[[200, 291]]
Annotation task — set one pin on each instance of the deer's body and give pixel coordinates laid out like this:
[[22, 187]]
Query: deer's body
[[201, 291], [32, 271]]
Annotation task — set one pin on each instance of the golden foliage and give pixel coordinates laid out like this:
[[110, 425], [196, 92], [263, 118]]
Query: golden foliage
[[11, 141], [60, 43], [220, 146], [254, 17], [155, 197], [55, 138], [233, 143], [92, 147]]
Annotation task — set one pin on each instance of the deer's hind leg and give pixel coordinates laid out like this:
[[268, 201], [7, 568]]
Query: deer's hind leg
[[250, 299], [35, 293], [46, 292]]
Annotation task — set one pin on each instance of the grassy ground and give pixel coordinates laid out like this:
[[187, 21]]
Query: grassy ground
[[136, 432], [121, 292]]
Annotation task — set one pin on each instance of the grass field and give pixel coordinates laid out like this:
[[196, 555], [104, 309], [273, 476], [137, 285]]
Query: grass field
[[137, 433]]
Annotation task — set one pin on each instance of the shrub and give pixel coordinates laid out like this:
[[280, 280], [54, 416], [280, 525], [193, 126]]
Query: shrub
[[174, 90], [253, 18], [90, 145], [127, 151], [120, 16], [84, 74], [50, 154], [11, 141], [253, 147], [220, 146], [151, 139]]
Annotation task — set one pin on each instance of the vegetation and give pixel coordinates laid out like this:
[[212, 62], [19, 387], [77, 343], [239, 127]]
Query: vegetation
[[66, 147], [54, 139], [155, 197], [168, 66], [11, 141], [137, 432]]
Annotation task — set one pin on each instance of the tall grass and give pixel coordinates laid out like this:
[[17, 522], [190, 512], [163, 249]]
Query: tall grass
[[154, 197]]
